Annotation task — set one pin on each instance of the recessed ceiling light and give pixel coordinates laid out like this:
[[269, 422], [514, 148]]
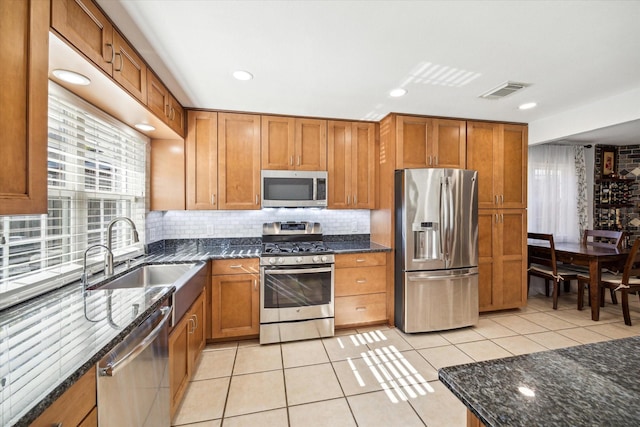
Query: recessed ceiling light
[[71, 77], [242, 75], [398, 92], [144, 127], [527, 106]]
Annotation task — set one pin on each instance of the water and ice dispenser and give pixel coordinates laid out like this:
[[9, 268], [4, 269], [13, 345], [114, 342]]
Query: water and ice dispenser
[[425, 238]]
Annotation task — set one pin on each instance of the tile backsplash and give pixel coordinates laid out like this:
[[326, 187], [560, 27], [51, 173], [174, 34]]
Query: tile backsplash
[[221, 224]]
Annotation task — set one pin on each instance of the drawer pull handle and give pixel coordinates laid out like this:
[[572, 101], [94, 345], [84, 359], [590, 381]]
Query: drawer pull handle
[[361, 281], [236, 266], [361, 308], [360, 260]]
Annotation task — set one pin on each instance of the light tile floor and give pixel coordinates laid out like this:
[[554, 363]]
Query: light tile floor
[[377, 376]]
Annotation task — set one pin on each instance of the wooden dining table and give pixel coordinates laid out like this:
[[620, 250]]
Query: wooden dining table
[[594, 257]]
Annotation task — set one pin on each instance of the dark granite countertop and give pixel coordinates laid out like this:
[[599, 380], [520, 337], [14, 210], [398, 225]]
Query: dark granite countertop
[[587, 385], [49, 342], [66, 360]]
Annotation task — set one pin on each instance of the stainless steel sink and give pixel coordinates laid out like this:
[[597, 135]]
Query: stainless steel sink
[[188, 279], [149, 275]]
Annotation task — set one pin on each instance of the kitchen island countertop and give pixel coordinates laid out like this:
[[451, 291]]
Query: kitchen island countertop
[[587, 385]]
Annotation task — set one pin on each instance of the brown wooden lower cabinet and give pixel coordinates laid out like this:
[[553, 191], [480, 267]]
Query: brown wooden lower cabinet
[[186, 342], [472, 420], [235, 298], [360, 289], [76, 406], [502, 258], [360, 309]]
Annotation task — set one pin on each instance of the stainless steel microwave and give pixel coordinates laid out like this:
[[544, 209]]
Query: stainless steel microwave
[[294, 189]]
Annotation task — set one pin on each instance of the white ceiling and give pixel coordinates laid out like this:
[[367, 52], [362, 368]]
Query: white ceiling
[[339, 59]]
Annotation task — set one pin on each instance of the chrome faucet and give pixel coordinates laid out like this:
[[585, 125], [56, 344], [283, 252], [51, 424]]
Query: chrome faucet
[[85, 276], [109, 265]]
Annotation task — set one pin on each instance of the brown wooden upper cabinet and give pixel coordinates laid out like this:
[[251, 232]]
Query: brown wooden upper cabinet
[[24, 51], [84, 25], [424, 142], [499, 153], [163, 104], [351, 164], [295, 144], [238, 161], [201, 153]]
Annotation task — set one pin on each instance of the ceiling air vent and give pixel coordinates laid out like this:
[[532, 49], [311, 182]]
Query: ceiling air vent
[[503, 90]]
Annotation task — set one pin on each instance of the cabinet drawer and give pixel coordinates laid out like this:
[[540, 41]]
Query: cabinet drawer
[[73, 406], [235, 266], [361, 309], [357, 281], [361, 259]]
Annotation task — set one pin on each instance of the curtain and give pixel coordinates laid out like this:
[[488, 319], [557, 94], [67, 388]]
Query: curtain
[[553, 185]]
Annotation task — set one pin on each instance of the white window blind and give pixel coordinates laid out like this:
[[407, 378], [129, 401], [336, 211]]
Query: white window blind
[[96, 172]]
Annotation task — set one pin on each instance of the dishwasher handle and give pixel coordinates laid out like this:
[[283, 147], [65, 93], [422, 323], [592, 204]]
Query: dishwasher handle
[[113, 367]]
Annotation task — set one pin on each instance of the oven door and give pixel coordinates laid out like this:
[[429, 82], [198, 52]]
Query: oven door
[[296, 293]]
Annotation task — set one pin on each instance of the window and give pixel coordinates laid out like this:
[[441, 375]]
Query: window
[[96, 172], [553, 184]]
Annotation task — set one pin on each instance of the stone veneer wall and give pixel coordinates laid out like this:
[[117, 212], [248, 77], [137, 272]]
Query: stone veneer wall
[[627, 166]]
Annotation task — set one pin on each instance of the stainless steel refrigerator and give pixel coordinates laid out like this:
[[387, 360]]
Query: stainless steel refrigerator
[[436, 258]]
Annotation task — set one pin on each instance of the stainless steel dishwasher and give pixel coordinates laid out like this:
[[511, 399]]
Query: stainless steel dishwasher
[[133, 378]]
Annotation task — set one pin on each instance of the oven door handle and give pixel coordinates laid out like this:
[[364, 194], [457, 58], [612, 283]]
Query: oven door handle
[[275, 272], [112, 368]]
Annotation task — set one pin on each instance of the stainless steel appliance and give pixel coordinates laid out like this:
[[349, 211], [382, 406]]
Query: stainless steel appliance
[[133, 378], [294, 189], [436, 260], [296, 283]]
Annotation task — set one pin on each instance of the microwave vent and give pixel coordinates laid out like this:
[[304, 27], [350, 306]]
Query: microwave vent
[[503, 90]]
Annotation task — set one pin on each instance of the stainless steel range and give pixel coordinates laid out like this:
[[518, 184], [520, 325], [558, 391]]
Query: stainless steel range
[[296, 283]]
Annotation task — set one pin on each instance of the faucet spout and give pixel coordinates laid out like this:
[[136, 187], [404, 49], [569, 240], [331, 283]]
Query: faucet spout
[[135, 239], [85, 276]]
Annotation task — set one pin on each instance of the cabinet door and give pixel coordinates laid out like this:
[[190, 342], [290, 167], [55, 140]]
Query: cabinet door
[[363, 165], [178, 362], [197, 333], [513, 167], [411, 145], [339, 164], [239, 161], [73, 405], [278, 134], [24, 37], [167, 175], [502, 258], [499, 153], [482, 146], [202, 160], [236, 310], [87, 28], [311, 145], [128, 68], [448, 145], [157, 96], [176, 116]]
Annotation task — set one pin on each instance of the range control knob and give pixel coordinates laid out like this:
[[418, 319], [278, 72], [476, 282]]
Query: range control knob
[[272, 261], [324, 258], [280, 260], [316, 259], [299, 259]]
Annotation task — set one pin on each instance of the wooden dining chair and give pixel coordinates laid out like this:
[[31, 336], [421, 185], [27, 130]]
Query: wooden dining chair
[[597, 238], [546, 267], [626, 282], [602, 238]]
